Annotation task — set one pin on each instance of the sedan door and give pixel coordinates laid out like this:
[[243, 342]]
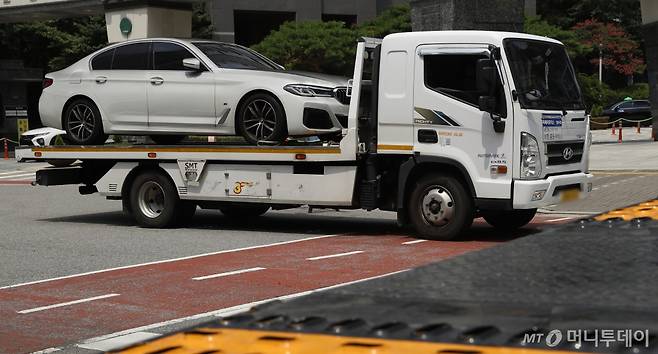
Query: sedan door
[[179, 99], [118, 80]]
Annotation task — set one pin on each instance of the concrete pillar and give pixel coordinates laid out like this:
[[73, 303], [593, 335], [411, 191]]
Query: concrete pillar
[[650, 30], [499, 15], [139, 21]]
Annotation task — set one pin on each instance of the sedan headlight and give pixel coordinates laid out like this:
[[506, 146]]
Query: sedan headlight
[[530, 157], [309, 90]]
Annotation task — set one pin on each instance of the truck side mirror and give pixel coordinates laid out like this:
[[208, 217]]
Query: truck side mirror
[[487, 103], [485, 72]]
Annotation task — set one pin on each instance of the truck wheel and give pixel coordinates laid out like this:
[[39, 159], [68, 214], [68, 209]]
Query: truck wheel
[[261, 118], [244, 210], [509, 219], [440, 208], [154, 200], [83, 124]]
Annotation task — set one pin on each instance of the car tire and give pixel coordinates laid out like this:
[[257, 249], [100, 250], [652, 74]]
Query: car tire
[[154, 200], [508, 220], [261, 118], [244, 210], [167, 139], [440, 207], [83, 124]]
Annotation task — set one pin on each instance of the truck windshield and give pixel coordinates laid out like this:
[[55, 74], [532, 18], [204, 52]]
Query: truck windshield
[[543, 75]]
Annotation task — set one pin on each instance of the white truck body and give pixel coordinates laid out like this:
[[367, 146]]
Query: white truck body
[[404, 124]]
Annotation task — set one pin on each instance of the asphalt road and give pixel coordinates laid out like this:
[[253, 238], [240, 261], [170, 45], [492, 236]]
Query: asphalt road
[[54, 232]]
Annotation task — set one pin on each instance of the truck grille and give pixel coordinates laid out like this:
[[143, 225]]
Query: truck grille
[[340, 93], [564, 152]]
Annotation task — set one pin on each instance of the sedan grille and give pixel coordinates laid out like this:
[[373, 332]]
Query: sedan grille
[[340, 93], [564, 152]]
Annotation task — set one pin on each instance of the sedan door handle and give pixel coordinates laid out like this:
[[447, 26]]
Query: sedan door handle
[[101, 79], [157, 80]]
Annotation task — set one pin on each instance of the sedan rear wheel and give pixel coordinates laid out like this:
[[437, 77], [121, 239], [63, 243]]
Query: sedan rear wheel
[[83, 124], [261, 119]]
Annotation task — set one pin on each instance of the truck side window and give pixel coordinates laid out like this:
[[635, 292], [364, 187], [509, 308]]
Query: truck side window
[[453, 75]]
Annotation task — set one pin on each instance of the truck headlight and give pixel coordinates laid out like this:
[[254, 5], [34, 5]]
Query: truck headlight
[[309, 90], [530, 157]]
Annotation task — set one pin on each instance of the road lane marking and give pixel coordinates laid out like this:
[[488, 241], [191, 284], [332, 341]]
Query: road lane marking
[[167, 261], [560, 219], [19, 175], [413, 242], [225, 274], [333, 255], [229, 311], [69, 303]]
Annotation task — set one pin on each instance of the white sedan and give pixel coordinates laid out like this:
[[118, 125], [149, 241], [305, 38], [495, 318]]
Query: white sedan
[[170, 88]]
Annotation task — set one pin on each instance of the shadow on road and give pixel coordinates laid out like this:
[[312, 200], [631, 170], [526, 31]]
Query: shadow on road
[[313, 224]]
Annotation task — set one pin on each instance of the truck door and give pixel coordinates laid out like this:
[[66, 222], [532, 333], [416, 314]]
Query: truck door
[[448, 123]]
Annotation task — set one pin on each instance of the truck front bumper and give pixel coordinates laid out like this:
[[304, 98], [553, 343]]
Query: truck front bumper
[[552, 190]]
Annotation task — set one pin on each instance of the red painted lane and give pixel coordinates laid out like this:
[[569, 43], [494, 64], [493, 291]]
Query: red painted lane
[[15, 182], [165, 291]]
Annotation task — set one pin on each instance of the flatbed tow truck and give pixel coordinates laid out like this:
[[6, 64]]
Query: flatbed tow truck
[[442, 127], [587, 286]]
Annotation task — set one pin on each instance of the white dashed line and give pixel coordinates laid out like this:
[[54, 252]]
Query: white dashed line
[[560, 219], [225, 274], [333, 255], [413, 242], [62, 304]]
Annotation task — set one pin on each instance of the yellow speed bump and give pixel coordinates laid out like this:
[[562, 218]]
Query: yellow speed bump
[[647, 210], [241, 341]]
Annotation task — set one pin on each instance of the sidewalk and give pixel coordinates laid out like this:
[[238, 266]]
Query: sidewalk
[[605, 136], [628, 156]]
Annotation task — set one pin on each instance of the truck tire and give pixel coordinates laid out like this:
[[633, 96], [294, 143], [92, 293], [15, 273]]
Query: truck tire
[[244, 210], [154, 200], [509, 219], [440, 207]]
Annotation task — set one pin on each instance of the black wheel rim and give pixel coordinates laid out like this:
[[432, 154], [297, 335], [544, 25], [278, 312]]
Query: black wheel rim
[[259, 120], [81, 122]]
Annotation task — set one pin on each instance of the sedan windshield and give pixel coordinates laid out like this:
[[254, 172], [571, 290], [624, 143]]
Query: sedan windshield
[[232, 56], [543, 75]]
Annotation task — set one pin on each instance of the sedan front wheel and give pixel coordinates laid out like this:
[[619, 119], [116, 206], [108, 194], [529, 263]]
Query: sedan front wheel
[[261, 118], [83, 124]]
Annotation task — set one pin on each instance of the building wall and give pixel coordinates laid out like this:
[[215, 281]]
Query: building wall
[[223, 12]]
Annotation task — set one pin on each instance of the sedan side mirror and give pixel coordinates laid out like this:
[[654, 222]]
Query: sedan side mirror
[[192, 63]]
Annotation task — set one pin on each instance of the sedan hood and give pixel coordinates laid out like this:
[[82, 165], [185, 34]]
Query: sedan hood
[[334, 79]]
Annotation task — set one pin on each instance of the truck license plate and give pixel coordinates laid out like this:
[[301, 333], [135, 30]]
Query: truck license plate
[[569, 194]]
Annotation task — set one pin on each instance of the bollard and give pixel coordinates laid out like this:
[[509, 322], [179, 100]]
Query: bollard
[[613, 128], [620, 128], [638, 127], [6, 150]]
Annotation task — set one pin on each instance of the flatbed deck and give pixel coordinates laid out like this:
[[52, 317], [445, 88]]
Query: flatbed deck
[[581, 279], [219, 152]]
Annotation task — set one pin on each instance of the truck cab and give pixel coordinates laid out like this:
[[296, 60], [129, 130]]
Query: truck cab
[[502, 112]]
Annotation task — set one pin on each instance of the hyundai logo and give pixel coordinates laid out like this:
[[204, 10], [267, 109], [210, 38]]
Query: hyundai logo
[[567, 153]]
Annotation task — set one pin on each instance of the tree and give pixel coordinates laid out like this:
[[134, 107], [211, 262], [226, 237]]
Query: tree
[[566, 13], [327, 47], [201, 21], [392, 20], [539, 27], [618, 50]]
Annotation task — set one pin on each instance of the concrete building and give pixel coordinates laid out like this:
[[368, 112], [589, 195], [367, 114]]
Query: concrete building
[[247, 22]]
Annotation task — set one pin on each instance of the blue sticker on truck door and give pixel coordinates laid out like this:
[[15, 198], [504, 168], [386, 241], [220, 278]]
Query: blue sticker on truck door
[[551, 126]]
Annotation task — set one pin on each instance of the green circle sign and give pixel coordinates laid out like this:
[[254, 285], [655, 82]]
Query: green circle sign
[[125, 26]]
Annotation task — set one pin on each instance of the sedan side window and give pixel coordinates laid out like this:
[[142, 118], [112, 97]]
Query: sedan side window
[[103, 61], [169, 56], [131, 57]]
